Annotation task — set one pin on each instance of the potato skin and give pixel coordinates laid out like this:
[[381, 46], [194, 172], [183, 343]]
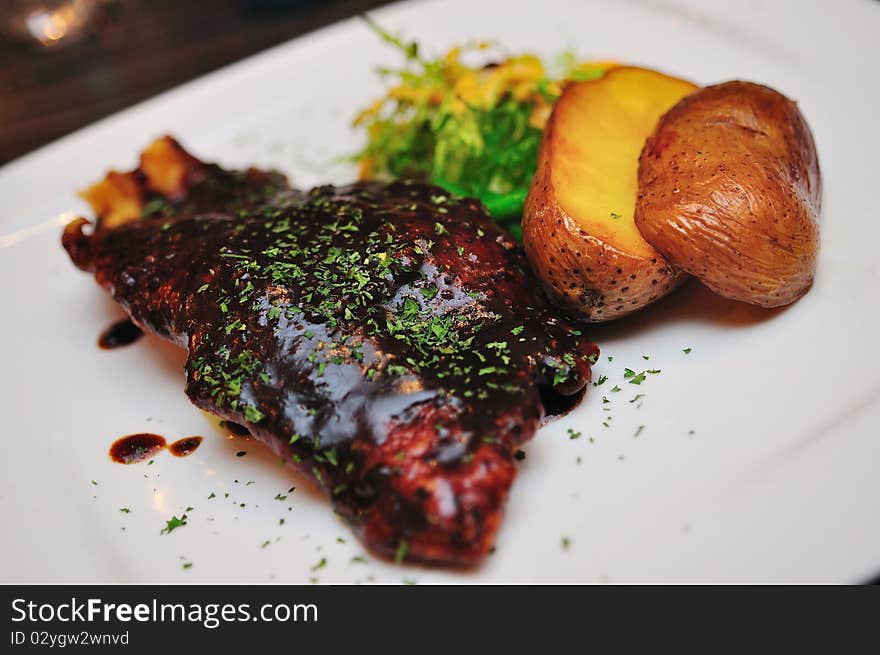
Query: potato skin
[[585, 275], [730, 191]]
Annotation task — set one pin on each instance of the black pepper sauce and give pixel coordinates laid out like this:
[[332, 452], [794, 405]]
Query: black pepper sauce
[[119, 334], [136, 448], [185, 446], [235, 429], [347, 332], [387, 338]]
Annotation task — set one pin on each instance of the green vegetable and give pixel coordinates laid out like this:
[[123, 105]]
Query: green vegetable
[[402, 550], [174, 523], [475, 131]]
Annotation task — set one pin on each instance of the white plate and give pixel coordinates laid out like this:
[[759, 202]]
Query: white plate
[[760, 452]]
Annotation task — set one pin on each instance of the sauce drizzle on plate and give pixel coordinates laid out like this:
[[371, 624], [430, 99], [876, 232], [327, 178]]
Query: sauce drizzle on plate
[[119, 334], [185, 446], [137, 447]]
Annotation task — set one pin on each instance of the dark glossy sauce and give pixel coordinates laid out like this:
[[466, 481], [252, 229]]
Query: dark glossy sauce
[[332, 323], [119, 334], [185, 446], [556, 405], [235, 429], [136, 447], [388, 339]]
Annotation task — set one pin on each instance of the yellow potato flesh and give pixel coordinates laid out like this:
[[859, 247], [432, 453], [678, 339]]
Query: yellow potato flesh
[[601, 127]]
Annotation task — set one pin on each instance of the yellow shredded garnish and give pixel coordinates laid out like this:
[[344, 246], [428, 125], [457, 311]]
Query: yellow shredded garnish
[[472, 129]]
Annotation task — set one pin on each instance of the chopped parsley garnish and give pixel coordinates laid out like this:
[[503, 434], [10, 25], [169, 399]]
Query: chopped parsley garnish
[[155, 207], [429, 293], [173, 523], [252, 414], [402, 550], [633, 377], [224, 374]]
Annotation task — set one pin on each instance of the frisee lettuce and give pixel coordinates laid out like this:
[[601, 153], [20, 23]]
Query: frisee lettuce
[[473, 130]]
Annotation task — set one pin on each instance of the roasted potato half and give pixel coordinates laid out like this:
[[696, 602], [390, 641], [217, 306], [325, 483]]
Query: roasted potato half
[[578, 227], [729, 190]]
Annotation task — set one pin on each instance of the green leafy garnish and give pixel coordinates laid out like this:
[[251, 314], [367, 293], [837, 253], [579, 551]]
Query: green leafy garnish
[[473, 130], [174, 523], [402, 550]]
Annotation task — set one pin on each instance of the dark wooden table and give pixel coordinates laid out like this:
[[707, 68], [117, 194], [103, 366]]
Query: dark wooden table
[[138, 49]]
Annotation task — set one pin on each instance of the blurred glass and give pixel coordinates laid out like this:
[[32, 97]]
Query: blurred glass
[[47, 23]]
